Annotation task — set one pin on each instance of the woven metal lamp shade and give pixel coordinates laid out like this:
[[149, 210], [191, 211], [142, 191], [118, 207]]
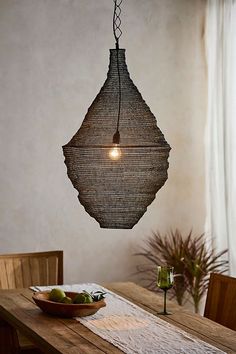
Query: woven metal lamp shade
[[117, 193]]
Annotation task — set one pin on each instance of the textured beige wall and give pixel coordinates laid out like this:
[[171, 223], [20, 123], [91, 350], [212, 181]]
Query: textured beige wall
[[53, 61]]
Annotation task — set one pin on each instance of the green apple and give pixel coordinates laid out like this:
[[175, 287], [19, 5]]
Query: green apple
[[66, 300], [83, 298], [56, 295]]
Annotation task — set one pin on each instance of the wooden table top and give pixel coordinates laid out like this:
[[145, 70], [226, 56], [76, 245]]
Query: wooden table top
[[68, 336]]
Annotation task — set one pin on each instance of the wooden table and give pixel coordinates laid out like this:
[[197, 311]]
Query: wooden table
[[68, 336]]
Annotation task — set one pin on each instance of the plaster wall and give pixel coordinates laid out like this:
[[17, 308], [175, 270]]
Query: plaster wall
[[53, 61]]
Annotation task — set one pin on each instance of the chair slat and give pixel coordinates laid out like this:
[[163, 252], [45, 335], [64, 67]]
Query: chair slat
[[3, 275], [18, 272], [34, 269], [53, 269], [10, 273], [43, 270], [27, 279]]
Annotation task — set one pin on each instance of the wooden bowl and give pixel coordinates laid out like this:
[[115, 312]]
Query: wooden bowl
[[41, 299]]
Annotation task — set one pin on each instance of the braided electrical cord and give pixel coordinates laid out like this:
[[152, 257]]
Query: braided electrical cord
[[117, 33], [117, 21]]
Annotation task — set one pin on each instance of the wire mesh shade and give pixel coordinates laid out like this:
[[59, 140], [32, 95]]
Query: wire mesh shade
[[117, 193]]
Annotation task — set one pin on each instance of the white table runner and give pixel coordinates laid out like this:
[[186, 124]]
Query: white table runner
[[134, 330]]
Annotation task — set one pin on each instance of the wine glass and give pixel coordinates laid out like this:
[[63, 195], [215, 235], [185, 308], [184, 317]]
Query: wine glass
[[165, 280]]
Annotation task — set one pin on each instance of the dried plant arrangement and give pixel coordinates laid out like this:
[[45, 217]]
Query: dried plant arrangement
[[191, 258], [200, 261]]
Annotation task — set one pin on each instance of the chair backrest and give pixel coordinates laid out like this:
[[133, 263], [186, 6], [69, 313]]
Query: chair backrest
[[221, 300], [28, 269]]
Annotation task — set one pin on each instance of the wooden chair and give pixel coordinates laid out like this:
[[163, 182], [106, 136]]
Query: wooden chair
[[28, 269], [221, 300], [23, 270]]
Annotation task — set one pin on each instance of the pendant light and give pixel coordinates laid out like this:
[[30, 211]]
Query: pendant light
[[118, 159]]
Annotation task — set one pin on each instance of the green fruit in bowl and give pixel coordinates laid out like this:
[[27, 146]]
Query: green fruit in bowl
[[88, 298], [66, 300], [56, 295], [83, 298]]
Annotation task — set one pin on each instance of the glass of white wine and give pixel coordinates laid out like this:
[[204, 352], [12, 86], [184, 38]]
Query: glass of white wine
[[165, 281]]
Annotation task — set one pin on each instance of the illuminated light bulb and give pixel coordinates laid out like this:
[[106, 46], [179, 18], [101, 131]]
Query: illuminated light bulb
[[115, 152]]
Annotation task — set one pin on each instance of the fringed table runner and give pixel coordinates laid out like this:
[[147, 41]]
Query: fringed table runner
[[134, 330]]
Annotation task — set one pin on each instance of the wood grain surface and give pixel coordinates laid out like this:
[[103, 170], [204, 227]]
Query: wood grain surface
[[203, 328], [55, 335], [221, 300], [22, 270]]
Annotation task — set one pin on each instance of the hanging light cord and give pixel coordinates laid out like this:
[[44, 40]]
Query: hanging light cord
[[117, 21], [117, 33]]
